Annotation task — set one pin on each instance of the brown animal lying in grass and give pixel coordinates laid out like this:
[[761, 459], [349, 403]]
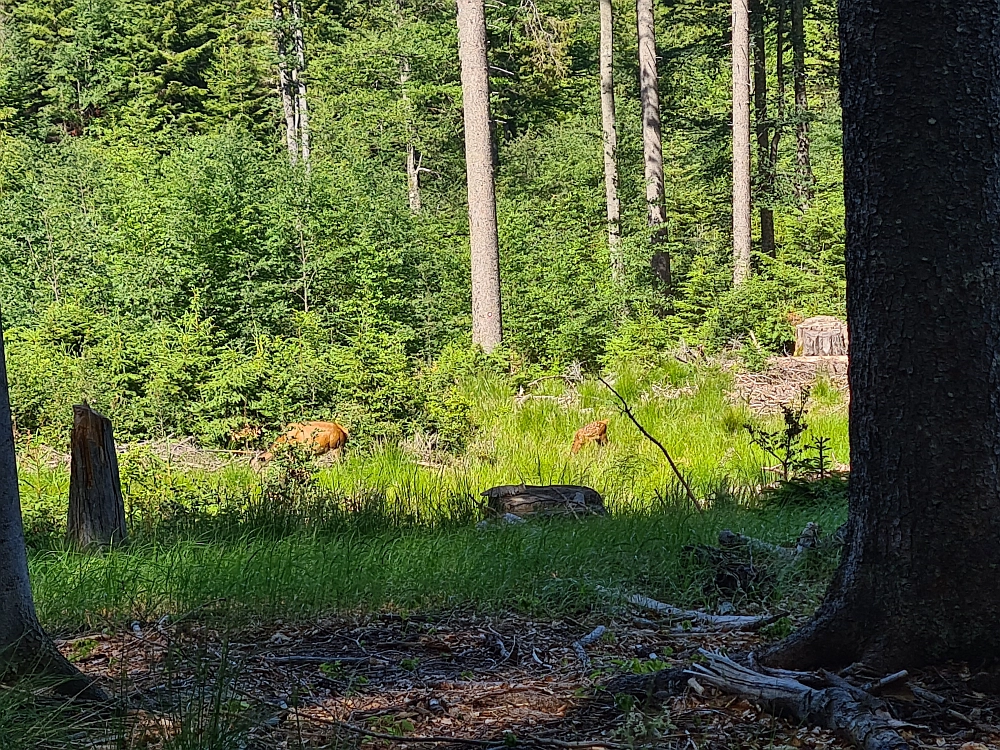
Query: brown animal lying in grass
[[320, 437], [595, 432]]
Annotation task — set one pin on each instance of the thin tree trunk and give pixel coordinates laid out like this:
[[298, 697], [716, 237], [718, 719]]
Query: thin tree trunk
[[285, 82], [765, 167], [779, 55], [804, 177], [301, 104], [412, 163], [96, 506], [741, 142], [614, 210], [487, 328], [649, 92], [917, 583], [24, 647]]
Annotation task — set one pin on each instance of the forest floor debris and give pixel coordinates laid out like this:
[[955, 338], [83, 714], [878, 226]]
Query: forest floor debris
[[494, 681], [783, 379]]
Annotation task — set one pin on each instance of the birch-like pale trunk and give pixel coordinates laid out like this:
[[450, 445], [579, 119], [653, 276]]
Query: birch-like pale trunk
[[741, 142]]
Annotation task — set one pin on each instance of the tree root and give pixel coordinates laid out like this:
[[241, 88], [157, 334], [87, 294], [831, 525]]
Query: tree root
[[843, 708], [36, 655]]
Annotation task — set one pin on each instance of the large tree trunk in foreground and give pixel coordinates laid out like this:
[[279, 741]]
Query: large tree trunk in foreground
[[487, 328], [741, 142], [652, 146], [918, 580], [804, 175], [96, 506], [614, 208], [765, 166], [24, 647]]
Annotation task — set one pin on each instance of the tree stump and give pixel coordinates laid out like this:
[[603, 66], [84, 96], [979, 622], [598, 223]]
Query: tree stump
[[821, 336], [96, 505], [553, 500]]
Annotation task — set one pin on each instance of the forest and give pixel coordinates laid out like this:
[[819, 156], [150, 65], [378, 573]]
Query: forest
[[394, 373], [161, 253]]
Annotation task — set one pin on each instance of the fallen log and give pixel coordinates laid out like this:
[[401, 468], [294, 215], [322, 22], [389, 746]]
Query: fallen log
[[551, 500], [862, 718]]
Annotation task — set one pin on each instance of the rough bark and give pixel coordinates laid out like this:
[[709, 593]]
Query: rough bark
[[486, 311], [917, 582], [301, 104], [765, 165], [614, 210], [779, 73], [96, 507], [24, 647], [804, 176], [652, 147], [557, 499], [741, 142], [285, 82], [821, 336], [412, 162]]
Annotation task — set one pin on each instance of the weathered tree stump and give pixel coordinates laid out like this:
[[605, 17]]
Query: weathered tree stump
[[552, 500], [96, 505], [821, 336]]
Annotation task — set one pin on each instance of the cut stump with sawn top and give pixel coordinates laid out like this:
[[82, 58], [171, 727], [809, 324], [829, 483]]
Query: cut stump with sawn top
[[96, 505], [524, 500], [821, 336]]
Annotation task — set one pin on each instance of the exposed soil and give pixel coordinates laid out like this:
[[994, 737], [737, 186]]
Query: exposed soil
[[462, 676]]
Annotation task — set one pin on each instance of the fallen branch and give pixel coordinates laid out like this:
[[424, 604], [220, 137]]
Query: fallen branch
[[719, 622], [859, 716], [592, 637], [628, 413]]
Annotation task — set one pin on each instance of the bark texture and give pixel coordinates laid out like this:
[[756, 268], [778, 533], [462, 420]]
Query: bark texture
[[96, 506], [652, 147], [24, 646], [614, 209], [804, 176], [921, 106], [765, 164], [412, 160], [741, 142], [487, 328], [290, 45]]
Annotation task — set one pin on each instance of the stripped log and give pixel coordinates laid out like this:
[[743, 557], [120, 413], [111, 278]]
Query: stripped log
[[862, 718], [96, 506]]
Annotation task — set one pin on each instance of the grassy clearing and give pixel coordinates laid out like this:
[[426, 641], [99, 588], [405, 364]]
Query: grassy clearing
[[388, 530]]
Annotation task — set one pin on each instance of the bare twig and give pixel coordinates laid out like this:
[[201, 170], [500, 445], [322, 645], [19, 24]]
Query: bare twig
[[591, 637], [628, 413]]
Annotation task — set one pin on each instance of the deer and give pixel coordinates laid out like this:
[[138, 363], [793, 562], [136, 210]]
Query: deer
[[595, 432], [320, 437]]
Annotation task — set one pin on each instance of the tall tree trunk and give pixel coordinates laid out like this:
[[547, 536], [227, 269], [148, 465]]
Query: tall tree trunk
[[614, 209], [741, 142], [804, 176], [412, 162], [24, 646], [301, 104], [765, 167], [285, 82], [917, 583], [652, 148], [487, 328]]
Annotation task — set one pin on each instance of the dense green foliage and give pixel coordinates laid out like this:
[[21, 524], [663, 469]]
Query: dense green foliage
[[161, 258]]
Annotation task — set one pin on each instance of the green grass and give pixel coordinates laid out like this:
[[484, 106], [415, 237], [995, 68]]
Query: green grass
[[382, 530]]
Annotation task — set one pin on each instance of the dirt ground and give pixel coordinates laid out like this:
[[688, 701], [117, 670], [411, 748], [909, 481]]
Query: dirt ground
[[462, 680]]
